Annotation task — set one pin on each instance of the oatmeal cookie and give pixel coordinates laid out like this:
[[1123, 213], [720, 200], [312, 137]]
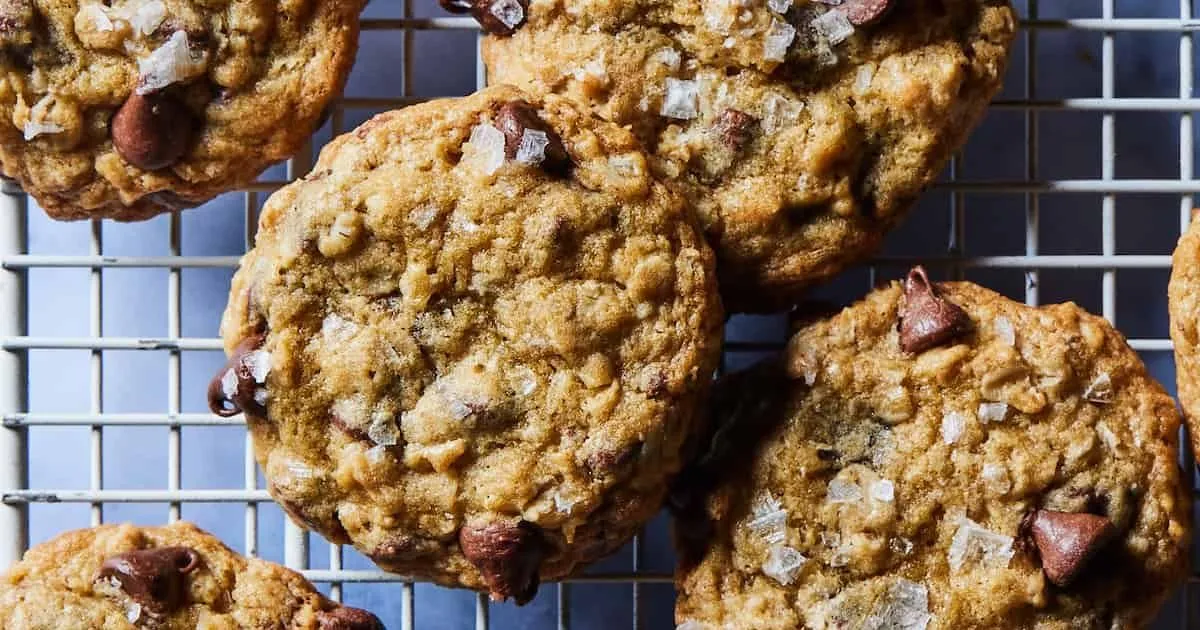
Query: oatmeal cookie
[[161, 578], [472, 341], [1184, 306], [802, 130], [937, 457], [125, 109]]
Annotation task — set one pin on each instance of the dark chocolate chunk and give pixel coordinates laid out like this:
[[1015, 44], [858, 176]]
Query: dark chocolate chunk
[[153, 578], [1067, 541], [508, 556], [347, 618], [928, 320], [514, 118], [735, 128], [152, 131], [242, 399]]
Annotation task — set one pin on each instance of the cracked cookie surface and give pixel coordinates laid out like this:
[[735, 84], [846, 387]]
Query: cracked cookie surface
[[800, 138], [130, 108], [472, 341], [937, 457], [177, 577]]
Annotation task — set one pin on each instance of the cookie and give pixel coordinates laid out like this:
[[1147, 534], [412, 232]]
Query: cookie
[[937, 457], [121, 576], [1184, 304], [473, 340], [802, 130], [129, 108]]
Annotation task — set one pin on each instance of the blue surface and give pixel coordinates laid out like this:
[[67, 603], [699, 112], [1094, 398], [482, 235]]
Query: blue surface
[[135, 301]]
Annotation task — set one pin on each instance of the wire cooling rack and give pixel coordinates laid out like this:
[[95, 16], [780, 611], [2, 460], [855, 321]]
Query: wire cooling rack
[[1075, 187]]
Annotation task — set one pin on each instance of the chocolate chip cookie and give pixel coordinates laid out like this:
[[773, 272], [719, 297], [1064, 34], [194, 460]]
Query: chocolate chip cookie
[[472, 341], [937, 457], [115, 577], [803, 130], [1184, 305], [128, 108]]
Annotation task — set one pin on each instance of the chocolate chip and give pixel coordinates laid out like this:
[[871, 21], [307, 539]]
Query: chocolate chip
[[499, 17], [1067, 541], [347, 618], [301, 517], [171, 200], [242, 399], [928, 320], [153, 577], [457, 6], [610, 461], [735, 128], [508, 557], [152, 131], [863, 12], [514, 118]]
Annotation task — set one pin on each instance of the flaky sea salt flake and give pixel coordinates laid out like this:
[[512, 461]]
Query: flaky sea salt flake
[[992, 412], [974, 543], [953, 425], [99, 19], [487, 144], [259, 363], [229, 384], [777, 40], [173, 62], [1107, 436], [533, 147], [35, 129], [668, 57], [906, 607], [382, 429], [783, 564], [1100, 390], [883, 490], [336, 329], [148, 17], [680, 99], [833, 26], [133, 612], [779, 6], [1005, 331], [768, 519], [509, 12], [842, 491]]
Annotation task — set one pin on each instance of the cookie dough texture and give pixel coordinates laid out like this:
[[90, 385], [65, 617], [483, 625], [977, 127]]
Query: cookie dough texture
[[99, 578], [209, 95], [1184, 305], [485, 347], [892, 489], [800, 149]]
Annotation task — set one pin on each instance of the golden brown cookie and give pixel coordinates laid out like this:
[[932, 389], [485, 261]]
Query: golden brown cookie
[[473, 340], [937, 457], [1184, 305], [802, 130], [158, 578], [130, 108]]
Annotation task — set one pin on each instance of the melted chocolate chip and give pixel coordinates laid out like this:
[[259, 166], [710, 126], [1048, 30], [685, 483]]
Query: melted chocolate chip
[[457, 6], [242, 399], [153, 578], [863, 12], [735, 128], [1067, 541], [499, 17], [508, 557], [152, 131], [171, 200], [928, 320], [347, 618], [514, 118]]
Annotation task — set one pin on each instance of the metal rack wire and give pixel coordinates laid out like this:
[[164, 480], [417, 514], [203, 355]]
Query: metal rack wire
[[1031, 186]]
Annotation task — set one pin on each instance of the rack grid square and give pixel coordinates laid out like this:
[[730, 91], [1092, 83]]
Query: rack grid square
[[1074, 188]]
